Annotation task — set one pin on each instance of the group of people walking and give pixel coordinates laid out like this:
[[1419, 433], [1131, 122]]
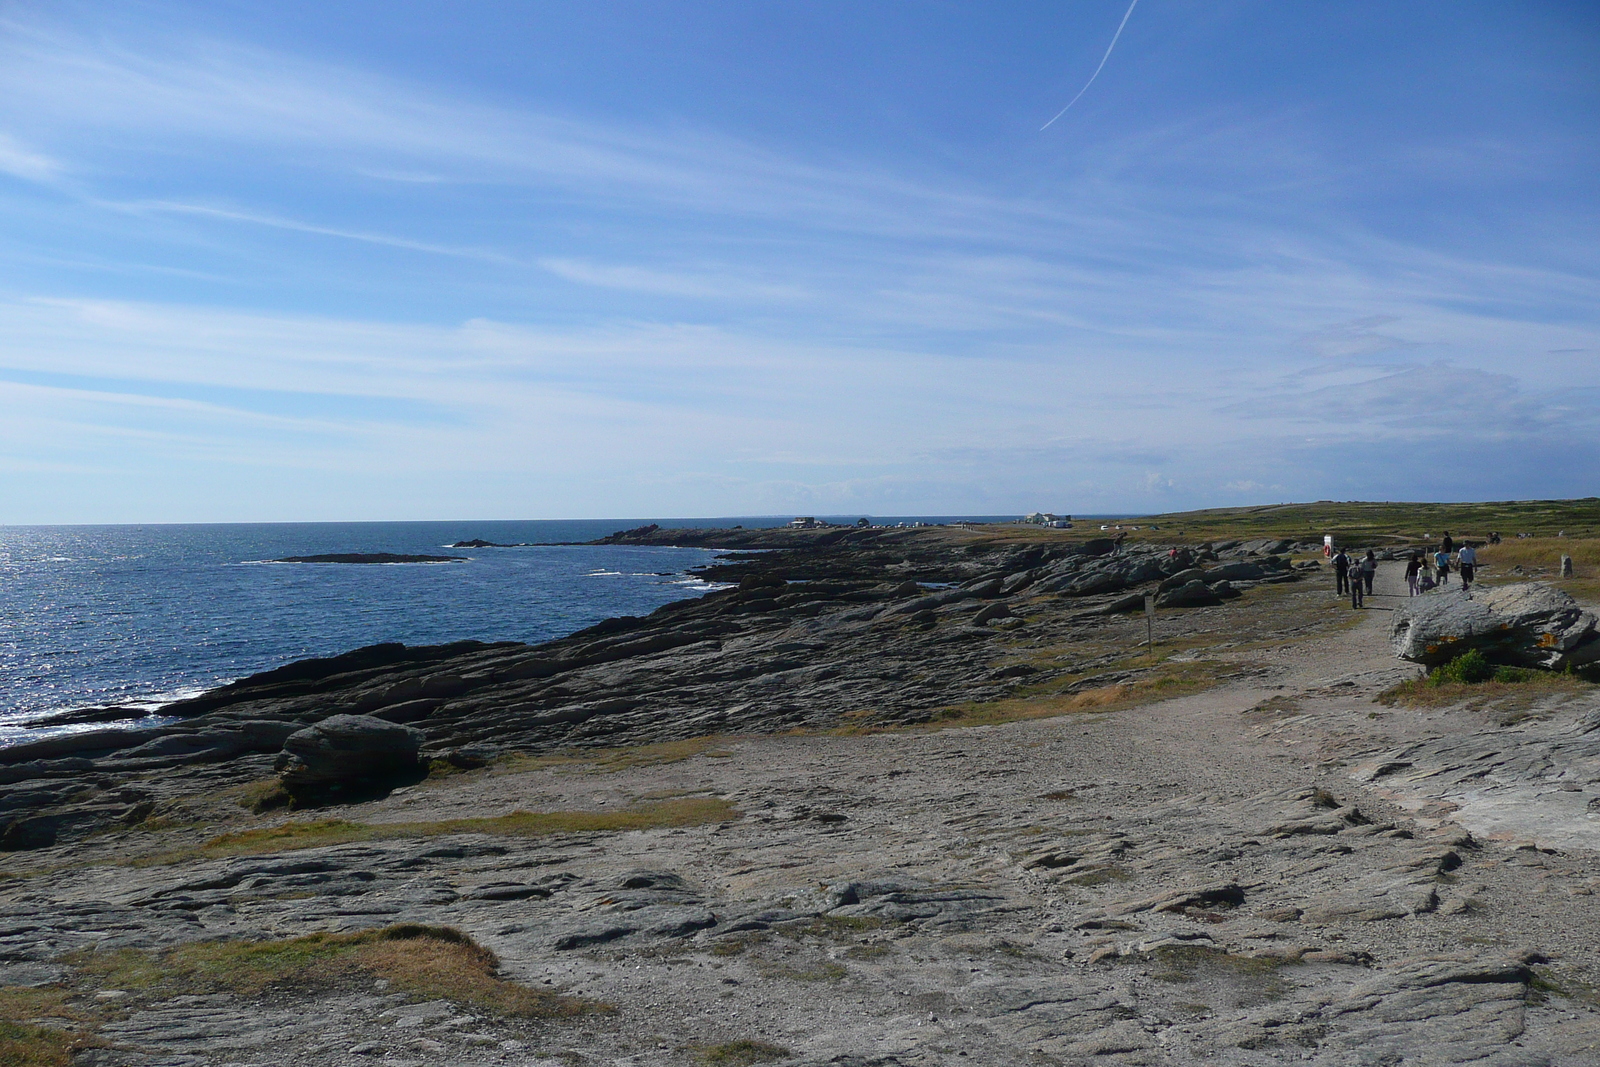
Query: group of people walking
[[1423, 574], [1354, 574]]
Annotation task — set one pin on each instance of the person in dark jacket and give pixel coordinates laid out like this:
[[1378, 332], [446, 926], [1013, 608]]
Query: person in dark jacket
[[1356, 586], [1341, 572], [1413, 571]]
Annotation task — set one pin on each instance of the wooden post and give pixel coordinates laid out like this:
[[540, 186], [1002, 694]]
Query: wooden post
[[1150, 622]]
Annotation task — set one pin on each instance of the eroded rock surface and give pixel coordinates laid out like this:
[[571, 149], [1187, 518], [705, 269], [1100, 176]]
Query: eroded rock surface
[[1275, 870], [868, 627], [1529, 624]]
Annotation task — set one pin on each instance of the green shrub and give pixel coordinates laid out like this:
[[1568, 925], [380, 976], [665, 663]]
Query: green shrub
[[1511, 674], [1470, 668]]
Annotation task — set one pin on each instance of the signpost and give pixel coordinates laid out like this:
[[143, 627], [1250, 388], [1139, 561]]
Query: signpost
[[1150, 622]]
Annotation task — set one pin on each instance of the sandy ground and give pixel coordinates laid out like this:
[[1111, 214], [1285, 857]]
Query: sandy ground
[[1275, 870]]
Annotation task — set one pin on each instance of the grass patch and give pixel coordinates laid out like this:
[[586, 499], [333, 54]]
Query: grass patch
[[27, 1039], [1471, 680], [1547, 982], [265, 795], [430, 962], [1274, 707], [825, 971], [1541, 553], [27, 1045], [832, 927], [874, 951], [1098, 876], [1540, 560], [315, 833], [611, 760], [733, 946], [1164, 682], [1362, 523], [1261, 975], [740, 1054]]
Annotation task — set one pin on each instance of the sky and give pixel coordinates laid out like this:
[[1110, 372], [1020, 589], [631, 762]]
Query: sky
[[344, 260]]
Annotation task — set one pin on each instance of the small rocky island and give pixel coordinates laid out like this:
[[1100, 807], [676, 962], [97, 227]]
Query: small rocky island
[[369, 557], [891, 797]]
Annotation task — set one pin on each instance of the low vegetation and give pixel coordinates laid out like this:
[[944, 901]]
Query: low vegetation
[[610, 760], [429, 962], [741, 1054], [1162, 682], [39, 1026], [29, 1045], [1472, 680], [1539, 558], [1253, 979], [315, 833], [1379, 523]]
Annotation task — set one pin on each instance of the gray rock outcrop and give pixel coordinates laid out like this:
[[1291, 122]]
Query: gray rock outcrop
[[348, 755], [902, 622], [1525, 625], [1193, 594]]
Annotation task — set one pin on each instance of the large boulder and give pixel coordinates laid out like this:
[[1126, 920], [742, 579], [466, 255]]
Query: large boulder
[[1182, 578], [1525, 625], [1236, 572], [1195, 594], [931, 601], [348, 756]]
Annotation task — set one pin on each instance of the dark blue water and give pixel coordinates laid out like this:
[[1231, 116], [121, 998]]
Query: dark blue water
[[101, 615]]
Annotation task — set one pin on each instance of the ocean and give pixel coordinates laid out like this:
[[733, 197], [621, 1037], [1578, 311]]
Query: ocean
[[94, 616]]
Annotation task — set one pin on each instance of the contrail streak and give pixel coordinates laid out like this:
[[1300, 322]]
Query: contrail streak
[[1097, 70]]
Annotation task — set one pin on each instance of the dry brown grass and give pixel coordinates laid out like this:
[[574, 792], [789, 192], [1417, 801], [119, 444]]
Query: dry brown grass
[[1502, 697], [1163, 683], [1374, 523], [1540, 559], [316, 833], [611, 760], [39, 1027], [429, 962], [740, 1054], [28, 1045]]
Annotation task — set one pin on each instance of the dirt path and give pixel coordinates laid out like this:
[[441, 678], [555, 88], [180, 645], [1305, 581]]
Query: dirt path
[[1275, 870]]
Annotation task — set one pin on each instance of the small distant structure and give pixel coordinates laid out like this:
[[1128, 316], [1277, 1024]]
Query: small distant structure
[[804, 522], [1047, 518], [863, 523]]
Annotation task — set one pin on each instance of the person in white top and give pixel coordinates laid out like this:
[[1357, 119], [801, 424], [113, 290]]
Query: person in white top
[[1467, 559]]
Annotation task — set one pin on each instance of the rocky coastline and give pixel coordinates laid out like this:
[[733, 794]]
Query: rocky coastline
[[370, 557], [883, 627], [887, 798]]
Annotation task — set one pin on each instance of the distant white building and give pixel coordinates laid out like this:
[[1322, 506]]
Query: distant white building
[[804, 522], [1046, 518]]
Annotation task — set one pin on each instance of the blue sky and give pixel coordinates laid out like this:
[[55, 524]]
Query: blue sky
[[520, 260]]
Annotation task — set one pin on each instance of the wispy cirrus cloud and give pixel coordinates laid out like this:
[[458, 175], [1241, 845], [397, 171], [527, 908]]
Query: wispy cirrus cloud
[[20, 161], [691, 283], [345, 120], [158, 207], [428, 279]]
